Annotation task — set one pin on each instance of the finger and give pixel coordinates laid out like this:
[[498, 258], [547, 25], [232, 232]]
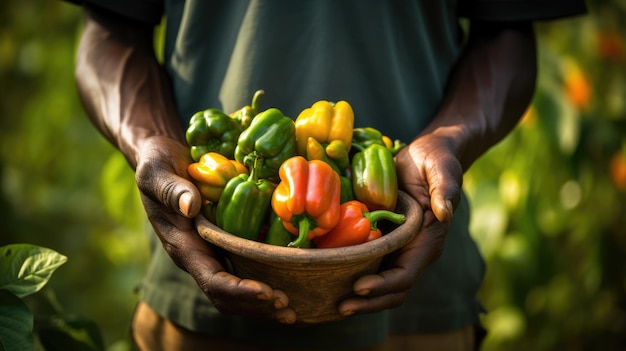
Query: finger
[[395, 279], [285, 316], [280, 299], [407, 264], [357, 305], [161, 184], [201, 261], [232, 295], [229, 293], [390, 287], [176, 193], [445, 179], [377, 292]]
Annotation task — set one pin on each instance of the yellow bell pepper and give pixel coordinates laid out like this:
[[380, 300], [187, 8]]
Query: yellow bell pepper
[[334, 154], [212, 172], [325, 122]]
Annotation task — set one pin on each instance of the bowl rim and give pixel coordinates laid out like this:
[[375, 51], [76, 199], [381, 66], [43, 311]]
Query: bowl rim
[[259, 251]]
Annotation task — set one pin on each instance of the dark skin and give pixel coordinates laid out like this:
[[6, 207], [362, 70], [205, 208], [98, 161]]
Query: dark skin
[[128, 97]]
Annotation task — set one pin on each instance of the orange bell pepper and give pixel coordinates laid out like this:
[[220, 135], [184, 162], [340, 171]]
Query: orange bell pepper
[[307, 199], [212, 172], [356, 225]]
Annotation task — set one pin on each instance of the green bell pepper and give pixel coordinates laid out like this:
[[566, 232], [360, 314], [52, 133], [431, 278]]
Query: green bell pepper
[[374, 178], [366, 136], [273, 137], [347, 193], [245, 114], [212, 130], [278, 235], [245, 202]]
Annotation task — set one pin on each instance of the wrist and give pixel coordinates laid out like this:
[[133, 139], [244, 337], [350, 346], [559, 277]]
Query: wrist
[[463, 140], [137, 139]]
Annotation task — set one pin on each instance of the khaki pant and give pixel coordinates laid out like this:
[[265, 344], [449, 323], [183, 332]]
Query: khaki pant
[[151, 332]]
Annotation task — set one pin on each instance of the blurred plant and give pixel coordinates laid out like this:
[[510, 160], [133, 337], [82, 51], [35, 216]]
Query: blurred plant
[[24, 270], [62, 185], [550, 200]]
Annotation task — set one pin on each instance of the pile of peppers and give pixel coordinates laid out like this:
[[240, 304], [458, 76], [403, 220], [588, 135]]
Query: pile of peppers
[[315, 181]]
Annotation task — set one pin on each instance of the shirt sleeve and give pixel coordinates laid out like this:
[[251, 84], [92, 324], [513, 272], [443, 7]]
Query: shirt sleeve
[[147, 11], [520, 10]]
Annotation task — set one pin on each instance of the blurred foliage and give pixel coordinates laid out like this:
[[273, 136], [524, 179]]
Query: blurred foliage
[[62, 186], [549, 201]]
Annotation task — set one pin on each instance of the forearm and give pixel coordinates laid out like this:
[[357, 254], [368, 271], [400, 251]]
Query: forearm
[[488, 91], [125, 91]]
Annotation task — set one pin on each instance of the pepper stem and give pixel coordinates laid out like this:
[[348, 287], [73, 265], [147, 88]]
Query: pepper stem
[[375, 216], [254, 161], [304, 224], [255, 101], [357, 146]]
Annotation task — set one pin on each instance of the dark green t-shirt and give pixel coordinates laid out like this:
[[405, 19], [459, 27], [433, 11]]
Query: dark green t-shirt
[[390, 60]]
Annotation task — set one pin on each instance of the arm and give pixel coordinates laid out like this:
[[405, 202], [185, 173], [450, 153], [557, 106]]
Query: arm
[[128, 97], [487, 93]]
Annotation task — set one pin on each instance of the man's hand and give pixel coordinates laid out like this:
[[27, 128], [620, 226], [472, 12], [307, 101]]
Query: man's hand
[[429, 172], [171, 201], [127, 95], [487, 93]]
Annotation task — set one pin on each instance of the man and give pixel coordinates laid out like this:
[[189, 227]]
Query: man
[[405, 67]]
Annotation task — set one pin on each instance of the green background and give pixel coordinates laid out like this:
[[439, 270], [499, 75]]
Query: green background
[[549, 201]]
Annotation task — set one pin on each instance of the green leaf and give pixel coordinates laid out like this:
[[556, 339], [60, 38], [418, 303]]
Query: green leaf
[[16, 323], [26, 268]]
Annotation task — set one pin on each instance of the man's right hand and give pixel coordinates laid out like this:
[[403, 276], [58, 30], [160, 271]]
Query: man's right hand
[[127, 95], [171, 201]]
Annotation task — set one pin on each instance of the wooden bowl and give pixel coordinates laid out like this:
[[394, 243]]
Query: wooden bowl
[[315, 280]]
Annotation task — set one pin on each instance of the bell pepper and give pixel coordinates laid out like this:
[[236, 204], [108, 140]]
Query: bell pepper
[[325, 122], [315, 151], [272, 136], [245, 202], [366, 136], [337, 151], [334, 154], [245, 114], [356, 225], [347, 193], [307, 199], [374, 178], [278, 235], [209, 211], [212, 172], [212, 130], [393, 145]]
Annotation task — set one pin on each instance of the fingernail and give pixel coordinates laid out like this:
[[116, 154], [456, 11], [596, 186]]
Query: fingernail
[[362, 292], [347, 313], [184, 203], [279, 304], [287, 320]]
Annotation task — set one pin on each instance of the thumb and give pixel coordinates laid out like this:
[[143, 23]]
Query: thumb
[[445, 189], [163, 178], [189, 204], [442, 208]]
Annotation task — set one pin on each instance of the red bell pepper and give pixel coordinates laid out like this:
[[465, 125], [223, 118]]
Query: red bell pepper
[[307, 199], [356, 225]]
